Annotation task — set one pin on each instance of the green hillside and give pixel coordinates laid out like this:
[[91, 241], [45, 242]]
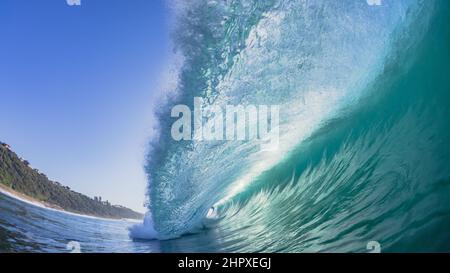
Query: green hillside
[[16, 174]]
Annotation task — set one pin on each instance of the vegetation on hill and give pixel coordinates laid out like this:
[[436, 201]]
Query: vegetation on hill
[[16, 174]]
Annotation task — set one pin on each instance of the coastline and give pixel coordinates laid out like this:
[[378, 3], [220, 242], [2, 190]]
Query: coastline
[[44, 205]]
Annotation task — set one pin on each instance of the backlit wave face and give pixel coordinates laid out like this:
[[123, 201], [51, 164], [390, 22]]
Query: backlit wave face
[[313, 58]]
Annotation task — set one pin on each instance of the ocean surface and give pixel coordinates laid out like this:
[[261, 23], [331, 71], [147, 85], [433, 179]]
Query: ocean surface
[[364, 149]]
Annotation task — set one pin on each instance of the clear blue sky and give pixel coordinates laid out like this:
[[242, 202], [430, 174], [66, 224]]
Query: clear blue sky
[[75, 89]]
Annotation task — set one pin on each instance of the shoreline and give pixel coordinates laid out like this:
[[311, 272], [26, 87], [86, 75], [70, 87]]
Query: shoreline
[[44, 205]]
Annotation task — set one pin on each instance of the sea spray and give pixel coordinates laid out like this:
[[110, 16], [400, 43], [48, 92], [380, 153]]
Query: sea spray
[[145, 230]]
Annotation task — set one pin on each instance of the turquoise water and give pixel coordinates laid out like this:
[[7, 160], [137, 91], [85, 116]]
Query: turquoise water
[[364, 133], [364, 127], [380, 171]]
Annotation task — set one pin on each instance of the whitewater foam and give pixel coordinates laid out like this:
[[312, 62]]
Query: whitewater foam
[[145, 230]]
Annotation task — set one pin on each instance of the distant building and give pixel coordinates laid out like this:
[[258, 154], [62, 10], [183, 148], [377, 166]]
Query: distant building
[[5, 145]]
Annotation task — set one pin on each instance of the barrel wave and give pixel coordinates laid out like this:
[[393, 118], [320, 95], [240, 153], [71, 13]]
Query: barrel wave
[[364, 132]]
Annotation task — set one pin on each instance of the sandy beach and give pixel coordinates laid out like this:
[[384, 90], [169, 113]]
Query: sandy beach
[[32, 201]]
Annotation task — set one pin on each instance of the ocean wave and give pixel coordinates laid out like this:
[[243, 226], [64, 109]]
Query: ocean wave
[[315, 60]]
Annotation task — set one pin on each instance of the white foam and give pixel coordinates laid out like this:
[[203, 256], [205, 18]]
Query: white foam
[[145, 230]]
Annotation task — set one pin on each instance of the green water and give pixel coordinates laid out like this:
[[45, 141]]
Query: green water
[[380, 172], [364, 128]]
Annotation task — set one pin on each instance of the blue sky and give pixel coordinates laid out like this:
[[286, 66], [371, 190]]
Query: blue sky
[[76, 84]]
